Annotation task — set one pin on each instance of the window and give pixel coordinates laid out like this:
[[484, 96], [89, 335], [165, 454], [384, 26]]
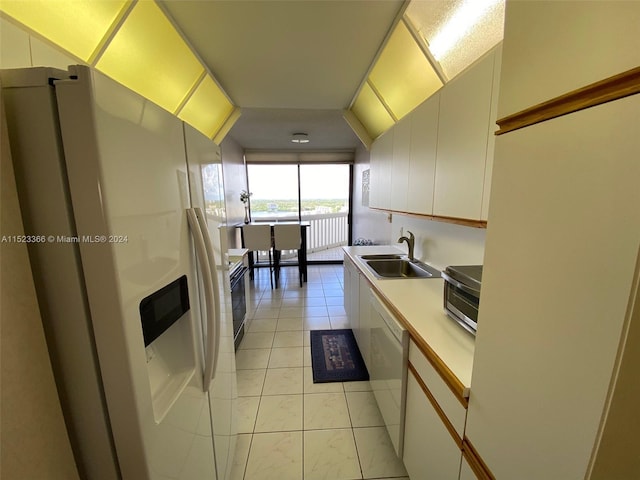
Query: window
[[314, 193], [274, 191], [324, 189]]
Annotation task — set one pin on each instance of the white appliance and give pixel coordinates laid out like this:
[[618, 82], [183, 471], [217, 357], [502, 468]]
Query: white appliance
[[388, 369], [108, 184]]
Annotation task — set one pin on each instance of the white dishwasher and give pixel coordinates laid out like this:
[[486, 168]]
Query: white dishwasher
[[388, 368]]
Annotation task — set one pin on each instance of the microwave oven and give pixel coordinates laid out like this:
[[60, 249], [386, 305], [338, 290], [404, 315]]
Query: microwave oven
[[462, 294]]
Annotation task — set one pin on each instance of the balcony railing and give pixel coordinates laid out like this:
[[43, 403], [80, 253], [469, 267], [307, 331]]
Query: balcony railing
[[327, 230]]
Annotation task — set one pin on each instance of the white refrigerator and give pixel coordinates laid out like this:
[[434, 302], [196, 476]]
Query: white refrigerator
[[121, 203]]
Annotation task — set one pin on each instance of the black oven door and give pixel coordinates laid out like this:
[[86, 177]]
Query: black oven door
[[238, 303]]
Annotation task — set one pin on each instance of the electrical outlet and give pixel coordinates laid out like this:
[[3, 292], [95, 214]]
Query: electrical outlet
[[401, 231]]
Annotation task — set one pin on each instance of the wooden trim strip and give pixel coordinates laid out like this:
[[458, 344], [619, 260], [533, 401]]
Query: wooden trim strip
[[607, 90], [467, 222], [449, 378], [447, 423], [480, 469], [454, 384]]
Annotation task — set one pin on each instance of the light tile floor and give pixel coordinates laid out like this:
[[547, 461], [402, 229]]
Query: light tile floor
[[289, 427]]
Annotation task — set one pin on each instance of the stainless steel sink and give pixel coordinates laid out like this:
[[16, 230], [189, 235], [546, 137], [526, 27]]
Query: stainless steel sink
[[401, 268], [381, 256]]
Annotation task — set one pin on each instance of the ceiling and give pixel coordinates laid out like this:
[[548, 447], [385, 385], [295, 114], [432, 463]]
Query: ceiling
[[291, 66]]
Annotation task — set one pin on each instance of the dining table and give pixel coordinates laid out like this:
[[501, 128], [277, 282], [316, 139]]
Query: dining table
[[302, 252]]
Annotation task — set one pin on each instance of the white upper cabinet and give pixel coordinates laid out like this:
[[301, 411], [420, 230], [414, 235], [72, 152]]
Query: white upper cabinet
[[437, 160], [400, 165], [564, 46], [465, 107], [422, 156], [491, 138], [381, 164]]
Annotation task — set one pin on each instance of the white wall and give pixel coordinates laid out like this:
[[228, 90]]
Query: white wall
[[235, 180], [441, 244], [34, 441], [20, 49], [369, 224]]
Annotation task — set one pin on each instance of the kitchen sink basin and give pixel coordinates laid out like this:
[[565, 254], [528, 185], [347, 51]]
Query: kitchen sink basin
[[401, 268], [381, 256]]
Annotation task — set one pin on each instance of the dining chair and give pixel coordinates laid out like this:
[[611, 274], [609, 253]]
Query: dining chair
[[286, 237], [257, 238]]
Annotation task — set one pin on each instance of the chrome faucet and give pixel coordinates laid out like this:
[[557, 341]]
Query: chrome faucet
[[410, 242]]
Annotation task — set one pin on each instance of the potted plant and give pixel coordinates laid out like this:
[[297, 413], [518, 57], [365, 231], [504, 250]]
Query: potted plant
[[244, 198]]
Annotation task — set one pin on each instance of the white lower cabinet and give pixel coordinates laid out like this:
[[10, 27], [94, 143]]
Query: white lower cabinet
[[430, 451], [356, 304], [351, 294], [434, 417], [363, 336]]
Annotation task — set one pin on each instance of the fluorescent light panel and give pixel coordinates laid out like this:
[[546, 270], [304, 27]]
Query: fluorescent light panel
[[403, 76], [463, 19], [371, 112], [401, 79], [459, 32], [78, 26], [207, 109], [147, 55]]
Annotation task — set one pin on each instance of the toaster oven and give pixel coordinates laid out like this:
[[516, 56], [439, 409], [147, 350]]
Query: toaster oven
[[462, 294]]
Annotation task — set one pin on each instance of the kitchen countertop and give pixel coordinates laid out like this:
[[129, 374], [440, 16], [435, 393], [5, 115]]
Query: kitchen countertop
[[419, 305], [236, 256]]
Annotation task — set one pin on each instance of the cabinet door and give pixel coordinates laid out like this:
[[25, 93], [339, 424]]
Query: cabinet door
[[388, 370], [568, 45], [465, 106], [400, 165], [351, 295], [364, 323], [429, 449], [564, 207], [381, 161], [422, 156], [492, 128], [346, 271]]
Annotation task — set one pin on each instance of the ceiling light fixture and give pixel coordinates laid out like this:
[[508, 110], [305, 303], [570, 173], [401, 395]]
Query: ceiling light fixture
[[300, 138]]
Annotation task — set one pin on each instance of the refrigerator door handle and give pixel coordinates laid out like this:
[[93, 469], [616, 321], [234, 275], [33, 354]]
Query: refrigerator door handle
[[201, 254], [214, 339]]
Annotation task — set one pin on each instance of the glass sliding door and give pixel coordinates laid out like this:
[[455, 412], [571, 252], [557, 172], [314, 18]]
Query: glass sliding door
[[317, 193], [324, 201]]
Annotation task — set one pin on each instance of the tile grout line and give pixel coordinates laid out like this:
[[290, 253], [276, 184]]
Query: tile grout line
[[353, 433], [335, 285], [303, 404]]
